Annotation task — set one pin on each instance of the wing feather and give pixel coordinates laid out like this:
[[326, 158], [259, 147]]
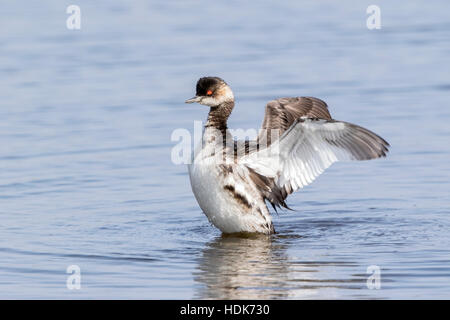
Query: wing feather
[[306, 149], [282, 113]]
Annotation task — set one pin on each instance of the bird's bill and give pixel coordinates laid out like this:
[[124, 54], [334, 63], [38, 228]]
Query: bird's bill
[[194, 99]]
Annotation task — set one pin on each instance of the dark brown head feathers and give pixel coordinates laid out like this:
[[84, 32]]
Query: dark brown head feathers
[[208, 83]]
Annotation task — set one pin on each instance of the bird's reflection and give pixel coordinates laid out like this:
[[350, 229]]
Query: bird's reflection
[[242, 267], [259, 267]]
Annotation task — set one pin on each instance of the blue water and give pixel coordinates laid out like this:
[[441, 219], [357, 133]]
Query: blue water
[[86, 176]]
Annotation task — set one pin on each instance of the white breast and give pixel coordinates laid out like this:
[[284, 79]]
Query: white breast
[[223, 209]]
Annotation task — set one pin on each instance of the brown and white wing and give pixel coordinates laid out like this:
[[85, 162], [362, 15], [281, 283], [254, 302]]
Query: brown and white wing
[[305, 150], [281, 113]]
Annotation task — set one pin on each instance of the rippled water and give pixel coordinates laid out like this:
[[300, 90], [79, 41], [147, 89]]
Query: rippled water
[[86, 177]]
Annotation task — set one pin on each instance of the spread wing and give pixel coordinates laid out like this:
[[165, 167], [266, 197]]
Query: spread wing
[[305, 150], [281, 114]]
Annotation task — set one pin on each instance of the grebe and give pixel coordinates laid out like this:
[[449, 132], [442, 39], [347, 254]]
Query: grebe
[[298, 141]]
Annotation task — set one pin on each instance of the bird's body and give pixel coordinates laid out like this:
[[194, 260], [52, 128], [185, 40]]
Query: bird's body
[[232, 180], [224, 191]]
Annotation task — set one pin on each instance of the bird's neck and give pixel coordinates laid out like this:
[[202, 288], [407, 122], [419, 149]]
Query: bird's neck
[[218, 116]]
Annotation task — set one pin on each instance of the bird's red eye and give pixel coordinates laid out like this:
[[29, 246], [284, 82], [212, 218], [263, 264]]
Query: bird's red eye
[[209, 92]]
